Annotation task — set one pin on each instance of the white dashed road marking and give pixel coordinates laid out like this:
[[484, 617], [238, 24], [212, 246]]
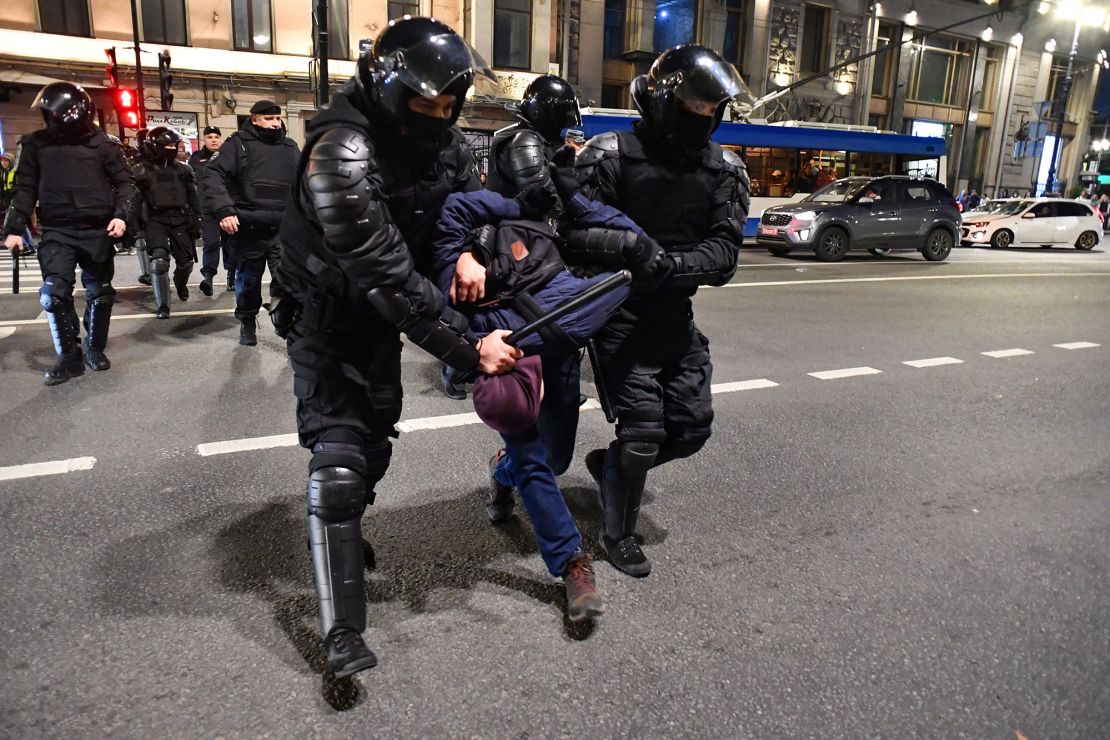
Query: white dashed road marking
[[848, 372], [247, 444], [933, 362], [743, 385], [32, 470], [999, 353], [1077, 345]]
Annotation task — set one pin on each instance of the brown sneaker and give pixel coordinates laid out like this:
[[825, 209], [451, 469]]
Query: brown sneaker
[[499, 505], [583, 600]]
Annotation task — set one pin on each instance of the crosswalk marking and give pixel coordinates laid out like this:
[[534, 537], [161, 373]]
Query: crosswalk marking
[[848, 372], [55, 467], [1077, 345]]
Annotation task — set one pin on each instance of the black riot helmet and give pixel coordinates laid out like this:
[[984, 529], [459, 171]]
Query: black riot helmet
[[141, 143], [549, 106], [162, 144], [66, 109], [418, 56], [683, 96]]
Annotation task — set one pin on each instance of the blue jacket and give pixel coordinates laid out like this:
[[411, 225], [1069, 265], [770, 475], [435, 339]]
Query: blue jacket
[[464, 212]]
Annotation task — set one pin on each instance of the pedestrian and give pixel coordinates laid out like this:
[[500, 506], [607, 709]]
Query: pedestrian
[[379, 162], [961, 200], [7, 180], [246, 186], [85, 193], [655, 362], [517, 275], [1104, 209], [215, 239], [519, 156], [171, 223]]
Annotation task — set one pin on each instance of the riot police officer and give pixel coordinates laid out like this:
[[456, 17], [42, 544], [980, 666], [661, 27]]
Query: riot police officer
[[520, 153], [215, 240], [171, 216], [85, 194], [134, 227], [246, 187], [691, 197], [378, 164]]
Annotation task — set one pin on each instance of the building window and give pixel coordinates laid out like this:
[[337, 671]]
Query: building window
[[735, 23], [815, 39], [67, 17], [512, 34], [614, 29], [251, 21], [164, 22], [938, 72], [989, 95], [612, 96], [675, 23], [399, 9], [1056, 74], [339, 34], [884, 61]]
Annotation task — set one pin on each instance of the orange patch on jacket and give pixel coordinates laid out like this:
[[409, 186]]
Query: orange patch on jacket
[[519, 250]]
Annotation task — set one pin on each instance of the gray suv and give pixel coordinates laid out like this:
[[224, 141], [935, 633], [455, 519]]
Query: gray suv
[[879, 214]]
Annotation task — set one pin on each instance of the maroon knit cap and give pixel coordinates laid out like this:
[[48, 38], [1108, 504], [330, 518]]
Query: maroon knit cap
[[510, 403]]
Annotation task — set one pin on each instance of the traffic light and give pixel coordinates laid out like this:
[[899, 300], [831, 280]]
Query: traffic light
[[113, 68], [165, 80], [127, 107]]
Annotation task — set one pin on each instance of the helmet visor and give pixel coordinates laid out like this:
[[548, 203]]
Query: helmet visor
[[708, 84], [435, 64]]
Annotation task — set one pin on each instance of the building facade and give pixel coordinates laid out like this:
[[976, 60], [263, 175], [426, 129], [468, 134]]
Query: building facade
[[985, 85]]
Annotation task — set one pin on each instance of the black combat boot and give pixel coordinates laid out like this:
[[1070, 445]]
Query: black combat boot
[[347, 653], [181, 282], [206, 285], [63, 330], [98, 314], [248, 332], [620, 492], [499, 507]]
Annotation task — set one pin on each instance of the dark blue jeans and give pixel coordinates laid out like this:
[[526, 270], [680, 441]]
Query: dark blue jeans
[[535, 456]]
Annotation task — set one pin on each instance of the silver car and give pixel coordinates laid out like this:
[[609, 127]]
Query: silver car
[[877, 214]]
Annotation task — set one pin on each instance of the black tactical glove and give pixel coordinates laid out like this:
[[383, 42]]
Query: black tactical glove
[[564, 156], [648, 263], [283, 314], [536, 200], [566, 184]]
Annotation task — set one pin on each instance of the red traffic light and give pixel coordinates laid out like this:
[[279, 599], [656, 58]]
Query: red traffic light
[[126, 99], [127, 106], [131, 119]]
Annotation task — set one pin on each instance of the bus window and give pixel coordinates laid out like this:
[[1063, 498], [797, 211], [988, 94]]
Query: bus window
[[869, 165], [819, 168], [922, 167], [773, 171]]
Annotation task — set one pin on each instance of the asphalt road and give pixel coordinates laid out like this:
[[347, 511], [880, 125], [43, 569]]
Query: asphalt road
[[914, 551]]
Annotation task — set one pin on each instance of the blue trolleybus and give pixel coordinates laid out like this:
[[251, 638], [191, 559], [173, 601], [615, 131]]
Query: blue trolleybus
[[789, 160]]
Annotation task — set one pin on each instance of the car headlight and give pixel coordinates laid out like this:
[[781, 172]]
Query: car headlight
[[805, 216]]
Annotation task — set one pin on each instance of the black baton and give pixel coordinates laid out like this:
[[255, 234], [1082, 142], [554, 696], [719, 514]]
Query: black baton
[[599, 384], [15, 271], [611, 283]]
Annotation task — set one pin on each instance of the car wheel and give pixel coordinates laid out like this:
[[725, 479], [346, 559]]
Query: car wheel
[[779, 251], [880, 251], [938, 245], [1002, 238], [832, 245], [1087, 240]]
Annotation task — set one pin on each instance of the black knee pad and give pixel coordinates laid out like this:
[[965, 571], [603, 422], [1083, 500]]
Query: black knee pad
[[101, 294], [159, 266], [636, 458], [336, 494], [641, 425]]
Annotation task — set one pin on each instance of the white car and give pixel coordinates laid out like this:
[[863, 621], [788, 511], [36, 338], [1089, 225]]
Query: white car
[[1033, 221]]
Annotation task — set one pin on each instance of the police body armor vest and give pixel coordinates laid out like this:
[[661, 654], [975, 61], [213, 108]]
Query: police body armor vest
[[268, 174], [73, 183], [167, 188], [687, 189]]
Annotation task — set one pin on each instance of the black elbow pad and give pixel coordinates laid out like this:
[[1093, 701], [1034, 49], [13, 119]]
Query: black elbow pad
[[598, 247], [430, 333]]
